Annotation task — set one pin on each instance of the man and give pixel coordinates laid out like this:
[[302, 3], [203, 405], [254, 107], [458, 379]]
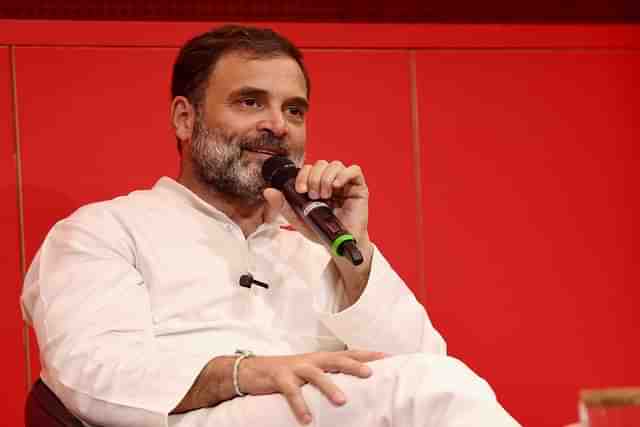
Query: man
[[136, 302]]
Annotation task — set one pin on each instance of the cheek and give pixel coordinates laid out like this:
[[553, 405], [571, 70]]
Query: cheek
[[234, 123], [298, 137]]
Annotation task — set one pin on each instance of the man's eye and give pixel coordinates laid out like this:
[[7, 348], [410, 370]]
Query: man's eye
[[293, 110], [249, 102]]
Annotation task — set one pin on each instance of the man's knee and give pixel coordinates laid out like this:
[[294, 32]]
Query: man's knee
[[433, 374]]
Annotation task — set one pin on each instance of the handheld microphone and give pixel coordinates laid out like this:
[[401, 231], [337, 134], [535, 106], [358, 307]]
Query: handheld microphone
[[280, 173]]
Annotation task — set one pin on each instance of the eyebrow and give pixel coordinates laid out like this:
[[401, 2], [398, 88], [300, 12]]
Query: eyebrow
[[251, 91]]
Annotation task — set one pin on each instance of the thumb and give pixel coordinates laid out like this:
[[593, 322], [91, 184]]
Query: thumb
[[274, 205]]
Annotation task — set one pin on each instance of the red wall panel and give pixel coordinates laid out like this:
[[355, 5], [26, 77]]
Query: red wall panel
[[12, 402], [528, 167], [361, 114], [94, 125]]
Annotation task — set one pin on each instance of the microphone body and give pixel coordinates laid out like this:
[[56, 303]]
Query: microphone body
[[280, 173]]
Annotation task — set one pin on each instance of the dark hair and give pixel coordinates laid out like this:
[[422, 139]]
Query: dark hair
[[198, 57]]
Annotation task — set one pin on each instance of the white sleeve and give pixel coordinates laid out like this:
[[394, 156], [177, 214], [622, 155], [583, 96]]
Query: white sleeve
[[91, 311], [387, 317]]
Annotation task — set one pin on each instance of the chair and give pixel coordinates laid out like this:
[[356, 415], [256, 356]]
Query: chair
[[44, 409]]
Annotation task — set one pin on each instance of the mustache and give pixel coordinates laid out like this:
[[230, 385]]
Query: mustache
[[267, 142]]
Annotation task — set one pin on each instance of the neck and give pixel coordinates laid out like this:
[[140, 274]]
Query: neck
[[247, 216]]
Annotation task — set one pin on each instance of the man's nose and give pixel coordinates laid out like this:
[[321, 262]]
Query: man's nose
[[275, 123]]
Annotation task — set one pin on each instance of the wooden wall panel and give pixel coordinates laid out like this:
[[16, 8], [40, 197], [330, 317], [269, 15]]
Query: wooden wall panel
[[528, 168], [12, 402], [361, 114]]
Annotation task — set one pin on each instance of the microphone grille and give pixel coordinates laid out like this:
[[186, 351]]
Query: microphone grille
[[277, 170]]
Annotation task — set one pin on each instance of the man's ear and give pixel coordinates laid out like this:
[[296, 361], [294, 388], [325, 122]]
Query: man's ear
[[183, 117]]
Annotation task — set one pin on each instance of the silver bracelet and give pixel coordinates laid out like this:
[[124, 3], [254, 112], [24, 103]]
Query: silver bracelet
[[242, 354]]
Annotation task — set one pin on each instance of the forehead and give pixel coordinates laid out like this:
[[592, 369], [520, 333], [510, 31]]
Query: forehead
[[279, 76]]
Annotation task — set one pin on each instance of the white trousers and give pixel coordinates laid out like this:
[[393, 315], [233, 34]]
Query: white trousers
[[404, 391]]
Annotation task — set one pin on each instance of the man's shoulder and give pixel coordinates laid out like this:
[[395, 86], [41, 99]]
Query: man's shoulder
[[117, 208]]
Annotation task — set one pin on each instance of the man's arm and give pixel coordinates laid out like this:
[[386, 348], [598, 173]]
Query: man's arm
[[277, 374], [348, 191], [91, 311], [377, 311], [355, 278], [213, 385]]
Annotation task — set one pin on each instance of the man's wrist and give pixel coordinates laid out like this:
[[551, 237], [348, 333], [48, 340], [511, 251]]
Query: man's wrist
[[213, 385], [355, 278]]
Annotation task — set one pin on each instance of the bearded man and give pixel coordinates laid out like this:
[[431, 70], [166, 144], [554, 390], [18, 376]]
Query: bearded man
[[136, 303]]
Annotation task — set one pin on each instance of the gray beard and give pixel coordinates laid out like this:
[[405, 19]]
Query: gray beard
[[218, 163]]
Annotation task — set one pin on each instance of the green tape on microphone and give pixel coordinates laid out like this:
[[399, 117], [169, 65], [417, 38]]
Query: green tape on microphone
[[335, 246]]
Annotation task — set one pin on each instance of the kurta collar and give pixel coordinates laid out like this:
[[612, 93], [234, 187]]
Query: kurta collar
[[183, 194]]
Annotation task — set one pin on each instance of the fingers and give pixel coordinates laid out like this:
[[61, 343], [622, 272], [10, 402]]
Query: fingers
[[348, 366], [322, 179], [366, 356], [275, 203], [323, 382], [289, 386], [352, 362], [287, 375], [302, 178]]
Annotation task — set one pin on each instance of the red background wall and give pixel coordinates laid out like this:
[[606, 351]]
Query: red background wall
[[12, 356], [500, 161]]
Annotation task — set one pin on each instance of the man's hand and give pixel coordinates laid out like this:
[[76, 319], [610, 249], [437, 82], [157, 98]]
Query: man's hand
[[286, 374], [344, 186], [347, 190]]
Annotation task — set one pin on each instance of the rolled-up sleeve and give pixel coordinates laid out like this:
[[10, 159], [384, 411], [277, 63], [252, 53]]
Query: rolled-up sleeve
[[387, 317], [91, 311]]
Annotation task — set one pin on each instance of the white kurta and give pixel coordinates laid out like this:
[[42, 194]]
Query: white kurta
[[130, 298]]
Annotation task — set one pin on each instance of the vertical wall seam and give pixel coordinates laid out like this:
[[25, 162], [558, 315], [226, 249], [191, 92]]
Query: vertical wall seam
[[20, 201], [417, 167]]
